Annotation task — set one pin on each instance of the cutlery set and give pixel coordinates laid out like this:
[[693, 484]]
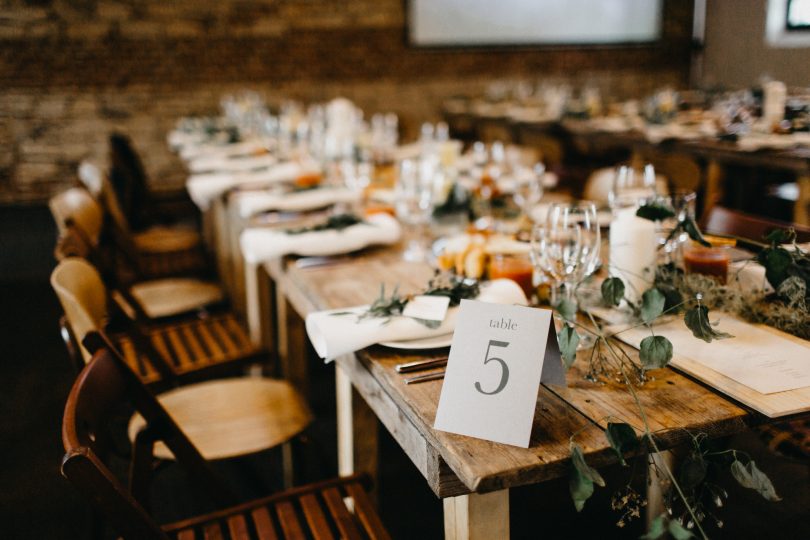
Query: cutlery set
[[420, 365]]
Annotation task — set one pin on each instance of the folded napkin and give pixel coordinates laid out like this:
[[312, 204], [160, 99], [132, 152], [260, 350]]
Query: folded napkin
[[752, 142], [231, 163], [250, 203], [204, 188], [208, 147], [262, 244], [336, 335]]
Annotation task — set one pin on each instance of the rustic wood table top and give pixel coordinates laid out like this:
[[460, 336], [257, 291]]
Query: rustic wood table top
[[455, 464]]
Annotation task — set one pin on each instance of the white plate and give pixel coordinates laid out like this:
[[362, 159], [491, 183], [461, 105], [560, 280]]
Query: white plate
[[435, 342]]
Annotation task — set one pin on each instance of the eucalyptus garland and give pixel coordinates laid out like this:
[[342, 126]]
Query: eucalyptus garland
[[691, 494]]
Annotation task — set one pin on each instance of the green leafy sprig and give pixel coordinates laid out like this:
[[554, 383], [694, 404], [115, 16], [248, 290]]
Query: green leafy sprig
[[449, 285], [337, 222]]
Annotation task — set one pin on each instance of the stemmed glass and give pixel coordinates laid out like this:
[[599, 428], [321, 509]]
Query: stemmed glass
[[566, 247], [630, 189], [529, 189], [414, 204]]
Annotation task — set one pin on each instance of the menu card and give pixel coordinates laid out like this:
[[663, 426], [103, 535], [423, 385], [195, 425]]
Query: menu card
[[754, 357]]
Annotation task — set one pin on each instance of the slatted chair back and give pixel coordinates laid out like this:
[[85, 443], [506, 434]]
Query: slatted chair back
[[75, 207], [98, 184], [723, 220], [100, 390], [83, 296]]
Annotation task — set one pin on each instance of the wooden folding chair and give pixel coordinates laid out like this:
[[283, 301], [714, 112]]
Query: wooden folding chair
[[318, 511], [721, 220], [161, 353], [155, 251], [79, 220]]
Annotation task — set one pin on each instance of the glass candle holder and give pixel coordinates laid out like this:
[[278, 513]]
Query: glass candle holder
[[515, 266], [710, 261]]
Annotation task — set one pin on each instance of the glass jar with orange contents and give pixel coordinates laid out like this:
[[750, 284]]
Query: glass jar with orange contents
[[710, 260], [515, 266]]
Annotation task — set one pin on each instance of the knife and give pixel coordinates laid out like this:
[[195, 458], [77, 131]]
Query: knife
[[426, 377], [421, 364]]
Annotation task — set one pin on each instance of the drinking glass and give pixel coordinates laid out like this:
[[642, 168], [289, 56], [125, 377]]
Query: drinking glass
[[529, 189], [566, 248], [631, 188], [413, 204]]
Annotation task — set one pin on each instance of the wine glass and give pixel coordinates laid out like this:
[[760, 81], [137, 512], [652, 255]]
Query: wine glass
[[631, 188], [566, 248], [413, 196], [529, 188]]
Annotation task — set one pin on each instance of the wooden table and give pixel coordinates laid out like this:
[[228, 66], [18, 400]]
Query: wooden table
[[472, 476], [715, 155]]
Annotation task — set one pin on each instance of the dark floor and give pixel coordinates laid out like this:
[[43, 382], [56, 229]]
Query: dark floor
[[35, 502]]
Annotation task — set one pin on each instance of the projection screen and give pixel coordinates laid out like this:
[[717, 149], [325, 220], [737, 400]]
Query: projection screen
[[532, 22]]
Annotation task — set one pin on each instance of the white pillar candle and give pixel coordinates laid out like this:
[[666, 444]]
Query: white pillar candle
[[633, 252], [774, 95]]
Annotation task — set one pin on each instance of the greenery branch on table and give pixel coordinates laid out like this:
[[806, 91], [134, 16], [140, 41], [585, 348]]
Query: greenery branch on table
[[337, 222], [442, 284], [691, 494]]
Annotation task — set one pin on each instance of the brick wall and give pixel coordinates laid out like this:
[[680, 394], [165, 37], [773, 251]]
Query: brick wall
[[72, 70]]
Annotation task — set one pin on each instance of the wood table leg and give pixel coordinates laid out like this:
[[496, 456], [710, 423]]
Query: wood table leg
[[714, 187], [801, 211], [292, 342], [477, 516], [357, 430]]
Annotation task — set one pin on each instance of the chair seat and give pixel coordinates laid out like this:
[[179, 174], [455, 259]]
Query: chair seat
[[231, 417], [166, 239], [790, 439], [318, 511], [193, 346], [173, 296]]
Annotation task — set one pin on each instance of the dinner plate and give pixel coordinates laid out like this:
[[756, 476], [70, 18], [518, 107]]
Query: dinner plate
[[434, 342]]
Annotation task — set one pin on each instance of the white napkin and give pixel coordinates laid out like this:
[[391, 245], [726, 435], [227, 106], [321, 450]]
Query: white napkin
[[752, 142], [335, 335], [262, 244], [250, 203], [204, 188], [231, 163], [211, 148]]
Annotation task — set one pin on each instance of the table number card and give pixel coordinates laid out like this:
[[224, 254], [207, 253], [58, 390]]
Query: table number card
[[498, 358]]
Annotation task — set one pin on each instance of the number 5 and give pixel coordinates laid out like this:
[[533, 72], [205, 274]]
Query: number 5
[[504, 368]]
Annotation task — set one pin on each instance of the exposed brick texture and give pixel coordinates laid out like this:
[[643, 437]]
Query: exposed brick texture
[[72, 70]]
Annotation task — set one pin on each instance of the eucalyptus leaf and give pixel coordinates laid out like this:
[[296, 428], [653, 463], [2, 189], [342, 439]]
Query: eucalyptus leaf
[[568, 339], [652, 305], [781, 236], [622, 438], [672, 296], [656, 530], [749, 476], [567, 309], [678, 531], [580, 487], [432, 324], [697, 320], [655, 212], [612, 291], [655, 352], [578, 459], [692, 472], [693, 231], [777, 262]]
